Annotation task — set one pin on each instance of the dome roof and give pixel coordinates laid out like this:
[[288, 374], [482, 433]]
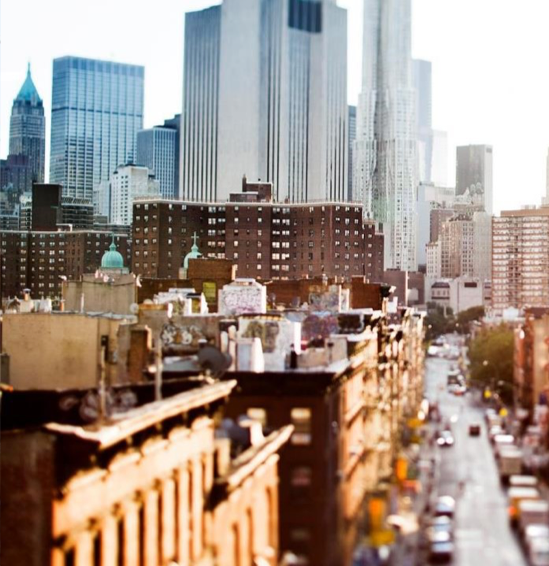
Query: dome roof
[[193, 254], [112, 259]]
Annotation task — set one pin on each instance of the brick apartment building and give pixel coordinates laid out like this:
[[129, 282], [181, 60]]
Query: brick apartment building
[[38, 260], [265, 240]]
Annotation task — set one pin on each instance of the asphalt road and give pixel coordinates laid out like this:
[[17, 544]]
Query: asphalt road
[[482, 532]]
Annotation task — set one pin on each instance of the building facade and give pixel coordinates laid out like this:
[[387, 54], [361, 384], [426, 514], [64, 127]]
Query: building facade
[[520, 252], [28, 129], [97, 110], [386, 170], [39, 261], [265, 240], [422, 72], [265, 95], [474, 173], [158, 149], [351, 145], [127, 184]]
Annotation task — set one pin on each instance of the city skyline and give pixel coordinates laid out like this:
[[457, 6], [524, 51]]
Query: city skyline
[[471, 115]]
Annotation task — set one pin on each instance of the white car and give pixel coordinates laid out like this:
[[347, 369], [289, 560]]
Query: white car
[[538, 552], [445, 506]]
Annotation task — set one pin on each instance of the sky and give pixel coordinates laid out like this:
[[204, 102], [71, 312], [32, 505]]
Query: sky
[[490, 68]]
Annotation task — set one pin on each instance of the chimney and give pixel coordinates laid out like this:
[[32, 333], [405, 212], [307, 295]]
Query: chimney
[[139, 352]]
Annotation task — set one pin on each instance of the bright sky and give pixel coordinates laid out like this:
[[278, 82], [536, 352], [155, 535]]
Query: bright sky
[[490, 68]]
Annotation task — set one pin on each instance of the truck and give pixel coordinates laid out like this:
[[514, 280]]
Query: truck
[[510, 463], [532, 512]]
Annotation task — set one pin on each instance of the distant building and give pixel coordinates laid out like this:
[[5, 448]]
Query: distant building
[[466, 246], [439, 164], [85, 152], [520, 252], [110, 289], [422, 72], [265, 240], [386, 156], [265, 95], [127, 184], [158, 149], [459, 294], [474, 173], [429, 199], [51, 211], [39, 261], [28, 129], [352, 140]]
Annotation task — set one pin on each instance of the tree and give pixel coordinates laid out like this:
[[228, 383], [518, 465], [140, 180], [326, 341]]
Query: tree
[[437, 323], [491, 357], [465, 318]]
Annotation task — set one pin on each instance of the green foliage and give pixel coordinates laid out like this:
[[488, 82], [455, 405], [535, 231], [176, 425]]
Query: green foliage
[[436, 323], [491, 357], [465, 318]]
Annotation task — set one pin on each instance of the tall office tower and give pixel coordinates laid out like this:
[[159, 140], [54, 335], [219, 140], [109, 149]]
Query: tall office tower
[[350, 146], [474, 172], [424, 99], [97, 110], [158, 149], [28, 128], [386, 170], [545, 199], [265, 95], [439, 162]]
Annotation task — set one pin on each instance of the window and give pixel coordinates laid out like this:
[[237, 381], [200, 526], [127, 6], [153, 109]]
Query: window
[[301, 419]]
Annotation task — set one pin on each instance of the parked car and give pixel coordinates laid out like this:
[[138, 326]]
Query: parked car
[[523, 481], [445, 439], [494, 431], [445, 506], [474, 429], [515, 496], [438, 525]]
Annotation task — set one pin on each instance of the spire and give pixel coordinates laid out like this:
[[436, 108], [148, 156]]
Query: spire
[[28, 92]]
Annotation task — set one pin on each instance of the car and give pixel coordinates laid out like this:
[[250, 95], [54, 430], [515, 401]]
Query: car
[[494, 431], [445, 506], [474, 429], [535, 531], [440, 529], [538, 552], [441, 552], [445, 439]]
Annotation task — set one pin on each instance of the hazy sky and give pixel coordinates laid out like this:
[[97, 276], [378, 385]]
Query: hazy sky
[[490, 68]]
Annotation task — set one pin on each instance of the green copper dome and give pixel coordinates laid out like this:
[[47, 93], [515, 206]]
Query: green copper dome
[[193, 254], [112, 259]]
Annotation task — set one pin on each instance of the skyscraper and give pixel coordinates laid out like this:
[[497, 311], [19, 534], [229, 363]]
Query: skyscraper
[[386, 170], [265, 95], [350, 146], [474, 172], [28, 128], [424, 97], [97, 109], [158, 149]]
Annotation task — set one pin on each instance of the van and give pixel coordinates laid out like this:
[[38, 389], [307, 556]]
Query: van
[[515, 496], [533, 512]]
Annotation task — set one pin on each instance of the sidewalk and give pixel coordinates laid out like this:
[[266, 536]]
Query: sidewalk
[[413, 510]]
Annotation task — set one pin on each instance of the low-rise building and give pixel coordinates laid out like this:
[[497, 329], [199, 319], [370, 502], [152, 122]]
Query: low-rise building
[[149, 485]]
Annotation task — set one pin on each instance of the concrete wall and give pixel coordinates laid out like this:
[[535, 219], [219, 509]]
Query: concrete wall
[[49, 351], [99, 296]]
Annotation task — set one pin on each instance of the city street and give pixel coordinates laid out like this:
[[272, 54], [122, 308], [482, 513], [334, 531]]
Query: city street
[[482, 532]]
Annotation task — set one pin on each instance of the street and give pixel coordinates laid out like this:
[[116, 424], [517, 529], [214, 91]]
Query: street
[[482, 532]]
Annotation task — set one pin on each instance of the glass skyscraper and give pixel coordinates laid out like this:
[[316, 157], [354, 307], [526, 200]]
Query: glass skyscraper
[[97, 109], [386, 156], [158, 149], [28, 129]]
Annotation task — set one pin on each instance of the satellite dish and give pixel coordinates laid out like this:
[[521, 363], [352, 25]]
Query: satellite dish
[[134, 308], [213, 360]]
